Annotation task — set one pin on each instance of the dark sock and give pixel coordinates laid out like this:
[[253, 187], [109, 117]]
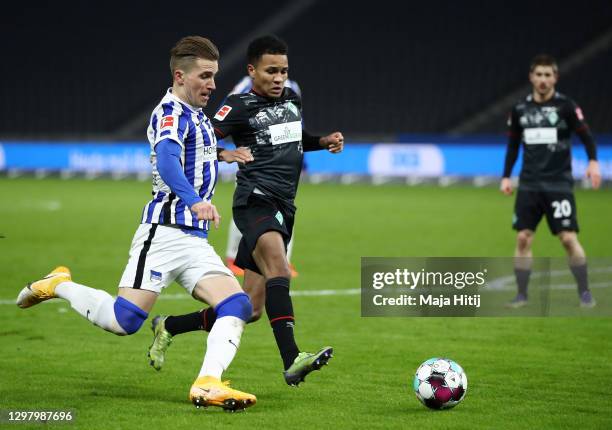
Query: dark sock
[[280, 313], [580, 274], [522, 280], [200, 320], [208, 318]]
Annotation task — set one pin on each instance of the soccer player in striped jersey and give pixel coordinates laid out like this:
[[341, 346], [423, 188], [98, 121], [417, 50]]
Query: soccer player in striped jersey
[[233, 236], [171, 242]]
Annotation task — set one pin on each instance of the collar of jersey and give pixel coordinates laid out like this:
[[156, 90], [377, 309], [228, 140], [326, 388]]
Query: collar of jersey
[[187, 105], [529, 98], [283, 94]]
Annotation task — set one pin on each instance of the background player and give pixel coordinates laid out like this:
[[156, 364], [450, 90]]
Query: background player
[[171, 241], [544, 122], [233, 236], [268, 121]]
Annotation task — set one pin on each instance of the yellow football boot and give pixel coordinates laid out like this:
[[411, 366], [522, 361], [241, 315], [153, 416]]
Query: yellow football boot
[[210, 391], [43, 289]]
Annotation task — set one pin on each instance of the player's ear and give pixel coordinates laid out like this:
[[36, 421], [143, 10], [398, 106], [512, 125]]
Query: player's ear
[[251, 70], [179, 76]]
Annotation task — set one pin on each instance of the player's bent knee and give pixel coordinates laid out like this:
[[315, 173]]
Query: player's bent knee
[[237, 305], [129, 316]]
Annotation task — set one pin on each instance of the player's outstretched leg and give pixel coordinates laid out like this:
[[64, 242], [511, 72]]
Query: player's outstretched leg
[[305, 363], [119, 316]]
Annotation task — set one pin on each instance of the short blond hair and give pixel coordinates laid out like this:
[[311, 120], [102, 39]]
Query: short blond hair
[[189, 49]]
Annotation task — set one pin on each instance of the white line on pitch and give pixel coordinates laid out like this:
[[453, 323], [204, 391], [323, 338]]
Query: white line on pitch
[[185, 296]]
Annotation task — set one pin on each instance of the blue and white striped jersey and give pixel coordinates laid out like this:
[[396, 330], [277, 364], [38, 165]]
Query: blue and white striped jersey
[[191, 129], [246, 83]]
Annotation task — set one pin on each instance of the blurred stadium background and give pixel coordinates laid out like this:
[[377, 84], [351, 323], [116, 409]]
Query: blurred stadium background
[[440, 74]]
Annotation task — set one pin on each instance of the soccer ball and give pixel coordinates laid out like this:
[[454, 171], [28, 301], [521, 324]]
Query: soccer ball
[[440, 383]]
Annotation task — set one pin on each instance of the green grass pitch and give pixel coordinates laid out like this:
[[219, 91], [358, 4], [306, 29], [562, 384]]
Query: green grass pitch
[[545, 373]]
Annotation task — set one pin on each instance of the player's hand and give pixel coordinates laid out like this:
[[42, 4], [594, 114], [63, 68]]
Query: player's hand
[[241, 155], [506, 186], [205, 211], [333, 142], [593, 173]]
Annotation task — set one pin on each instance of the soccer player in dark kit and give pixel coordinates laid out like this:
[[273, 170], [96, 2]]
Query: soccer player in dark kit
[[544, 122], [268, 121]]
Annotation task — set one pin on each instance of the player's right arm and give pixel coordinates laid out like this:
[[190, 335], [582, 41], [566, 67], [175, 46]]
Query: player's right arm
[[514, 140], [169, 167]]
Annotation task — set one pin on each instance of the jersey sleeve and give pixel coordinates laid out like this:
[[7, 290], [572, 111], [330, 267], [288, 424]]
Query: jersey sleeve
[[578, 124], [514, 140], [515, 130], [576, 119], [170, 124], [230, 118]]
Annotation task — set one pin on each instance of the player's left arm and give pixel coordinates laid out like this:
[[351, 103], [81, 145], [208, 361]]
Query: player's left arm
[[581, 128], [333, 142]]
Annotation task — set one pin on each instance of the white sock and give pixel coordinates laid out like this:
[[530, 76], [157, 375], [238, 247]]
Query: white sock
[[221, 346], [233, 240], [95, 305], [289, 249]]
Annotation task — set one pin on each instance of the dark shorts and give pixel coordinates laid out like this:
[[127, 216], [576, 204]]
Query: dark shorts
[[260, 215], [559, 208]]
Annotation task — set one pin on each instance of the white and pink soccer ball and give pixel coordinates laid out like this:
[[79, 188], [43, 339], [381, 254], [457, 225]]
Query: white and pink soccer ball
[[440, 383]]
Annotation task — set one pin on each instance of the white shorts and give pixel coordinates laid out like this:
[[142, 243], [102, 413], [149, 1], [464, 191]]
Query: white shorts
[[160, 255]]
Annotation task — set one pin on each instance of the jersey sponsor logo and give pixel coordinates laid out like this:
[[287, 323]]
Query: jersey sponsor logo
[[222, 113], [579, 114], [540, 135], [166, 122], [287, 132], [210, 153]]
